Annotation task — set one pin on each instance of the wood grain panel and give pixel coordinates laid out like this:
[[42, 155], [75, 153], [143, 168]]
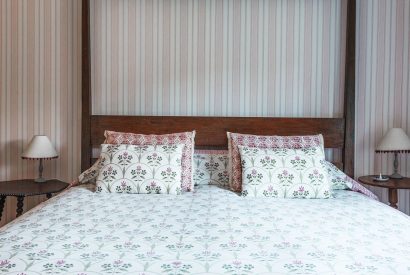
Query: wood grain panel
[[350, 92], [85, 85], [211, 131]]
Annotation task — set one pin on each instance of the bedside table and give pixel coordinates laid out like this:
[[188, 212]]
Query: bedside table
[[392, 184], [24, 188]]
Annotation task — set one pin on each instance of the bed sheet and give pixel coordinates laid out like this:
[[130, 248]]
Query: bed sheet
[[210, 231]]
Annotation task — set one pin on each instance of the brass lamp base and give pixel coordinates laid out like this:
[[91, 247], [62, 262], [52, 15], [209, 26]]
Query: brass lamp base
[[40, 180]]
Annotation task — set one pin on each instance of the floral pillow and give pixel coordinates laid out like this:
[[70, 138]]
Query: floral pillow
[[336, 177], [341, 181], [142, 169], [89, 175], [211, 167], [284, 173], [235, 140], [186, 138]]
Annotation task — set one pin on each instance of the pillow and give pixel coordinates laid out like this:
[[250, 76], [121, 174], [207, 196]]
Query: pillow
[[207, 161], [284, 173], [142, 169], [211, 167], [186, 138], [89, 175], [234, 140], [341, 181], [337, 178]]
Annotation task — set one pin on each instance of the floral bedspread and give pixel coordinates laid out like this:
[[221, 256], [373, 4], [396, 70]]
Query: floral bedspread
[[211, 231]]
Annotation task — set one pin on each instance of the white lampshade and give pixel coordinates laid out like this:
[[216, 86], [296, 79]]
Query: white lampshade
[[395, 140], [39, 147]]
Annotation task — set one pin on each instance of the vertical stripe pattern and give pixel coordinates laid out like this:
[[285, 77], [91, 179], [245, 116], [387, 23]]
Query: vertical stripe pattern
[[382, 85], [218, 58], [40, 88]]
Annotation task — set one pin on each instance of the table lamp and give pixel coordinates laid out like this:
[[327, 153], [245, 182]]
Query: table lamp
[[40, 148], [395, 141]]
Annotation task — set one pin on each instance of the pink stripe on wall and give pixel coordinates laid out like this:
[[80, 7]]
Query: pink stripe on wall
[[221, 69], [40, 88], [307, 95], [218, 77], [218, 58], [326, 56], [382, 87]]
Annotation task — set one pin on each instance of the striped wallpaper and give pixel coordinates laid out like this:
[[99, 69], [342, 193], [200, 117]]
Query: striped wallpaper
[[212, 57], [383, 85], [40, 90], [223, 58], [197, 58]]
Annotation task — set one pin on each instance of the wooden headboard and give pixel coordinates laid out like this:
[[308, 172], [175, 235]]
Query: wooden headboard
[[211, 131]]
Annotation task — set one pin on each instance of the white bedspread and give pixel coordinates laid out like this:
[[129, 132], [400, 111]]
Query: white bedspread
[[211, 231]]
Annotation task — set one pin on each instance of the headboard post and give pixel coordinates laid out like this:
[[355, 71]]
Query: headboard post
[[349, 90], [85, 87]]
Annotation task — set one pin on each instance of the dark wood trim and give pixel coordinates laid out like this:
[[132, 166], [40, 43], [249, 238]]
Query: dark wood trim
[[2, 202], [27, 187], [392, 184], [20, 205], [211, 131], [350, 94], [85, 87]]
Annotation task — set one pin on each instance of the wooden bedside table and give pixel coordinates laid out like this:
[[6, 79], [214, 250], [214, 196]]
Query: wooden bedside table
[[391, 184], [23, 188]]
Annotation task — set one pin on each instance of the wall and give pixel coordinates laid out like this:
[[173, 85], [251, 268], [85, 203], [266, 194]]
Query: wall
[[223, 58], [218, 57], [40, 78], [383, 85]]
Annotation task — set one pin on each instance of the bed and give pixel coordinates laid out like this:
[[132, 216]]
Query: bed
[[211, 230]]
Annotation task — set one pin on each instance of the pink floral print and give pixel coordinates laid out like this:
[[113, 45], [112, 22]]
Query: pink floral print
[[253, 141], [298, 174], [154, 170], [186, 138]]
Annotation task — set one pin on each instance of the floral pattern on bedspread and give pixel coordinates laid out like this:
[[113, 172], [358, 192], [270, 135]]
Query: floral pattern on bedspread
[[210, 231]]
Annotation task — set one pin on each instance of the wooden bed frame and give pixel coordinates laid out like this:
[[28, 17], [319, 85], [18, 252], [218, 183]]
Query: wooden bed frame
[[211, 131]]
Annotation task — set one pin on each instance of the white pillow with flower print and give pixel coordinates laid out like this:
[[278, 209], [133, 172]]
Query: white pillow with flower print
[[211, 167], [142, 169], [284, 173]]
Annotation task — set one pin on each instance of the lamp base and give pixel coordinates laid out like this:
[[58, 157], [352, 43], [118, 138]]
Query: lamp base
[[40, 173], [396, 176]]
